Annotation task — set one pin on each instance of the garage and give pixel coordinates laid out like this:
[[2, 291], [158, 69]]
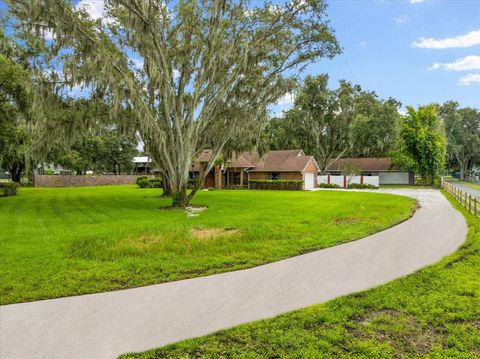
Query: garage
[[387, 171], [309, 180]]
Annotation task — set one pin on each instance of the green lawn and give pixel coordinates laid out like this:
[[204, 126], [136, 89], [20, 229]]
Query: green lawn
[[433, 313], [474, 185], [67, 241]]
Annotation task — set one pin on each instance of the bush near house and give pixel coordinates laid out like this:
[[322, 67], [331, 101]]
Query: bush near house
[[144, 182], [361, 186], [276, 184], [8, 189], [328, 185]]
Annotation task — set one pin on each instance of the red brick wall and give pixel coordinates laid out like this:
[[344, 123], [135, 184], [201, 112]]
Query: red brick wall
[[87, 180]]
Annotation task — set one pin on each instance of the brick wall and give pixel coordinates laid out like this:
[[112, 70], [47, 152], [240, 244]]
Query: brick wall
[[87, 180]]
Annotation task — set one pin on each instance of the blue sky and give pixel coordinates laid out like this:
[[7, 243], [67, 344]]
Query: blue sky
[[377, 38], [379, 52]]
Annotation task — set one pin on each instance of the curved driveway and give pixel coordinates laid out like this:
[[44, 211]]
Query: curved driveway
[[108, 324]]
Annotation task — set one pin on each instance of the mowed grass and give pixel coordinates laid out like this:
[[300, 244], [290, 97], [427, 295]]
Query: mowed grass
[[474, 185], [432, 313], [67, 241]]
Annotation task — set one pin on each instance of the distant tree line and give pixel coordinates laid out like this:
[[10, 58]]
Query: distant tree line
[[347, 121]]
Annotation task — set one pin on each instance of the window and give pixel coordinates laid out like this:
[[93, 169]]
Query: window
[[274, 175], [193, 175]]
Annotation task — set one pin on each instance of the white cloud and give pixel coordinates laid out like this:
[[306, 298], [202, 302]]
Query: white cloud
[[470, 78], [467, 40], [286, 99], [363, 43], [95, 8], [416, 1], [401, 19], [466, 63]]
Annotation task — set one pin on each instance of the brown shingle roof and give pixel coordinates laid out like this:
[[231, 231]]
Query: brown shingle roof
[[239, 162], [273, 161], [279, 161], [364, 164]]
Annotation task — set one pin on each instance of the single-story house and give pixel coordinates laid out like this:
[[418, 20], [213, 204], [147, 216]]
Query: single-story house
[[382, 167], [143, 165], [273, 165]]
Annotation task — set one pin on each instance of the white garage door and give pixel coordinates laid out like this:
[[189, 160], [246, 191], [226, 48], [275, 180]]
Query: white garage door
[[393, 177], [309, 180]]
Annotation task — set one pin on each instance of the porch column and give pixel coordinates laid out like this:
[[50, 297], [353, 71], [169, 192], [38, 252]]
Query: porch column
[[201, 171], [241, 177], [218, 177]]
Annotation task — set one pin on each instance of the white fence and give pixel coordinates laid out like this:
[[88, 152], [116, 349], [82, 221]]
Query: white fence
[[344, 181]]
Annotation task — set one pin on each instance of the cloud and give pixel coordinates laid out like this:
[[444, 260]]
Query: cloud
[[467, 40], [466, 63], [95, 8], [416, 1], [286, 99], [401, 19], [363, 43], [470, 78]]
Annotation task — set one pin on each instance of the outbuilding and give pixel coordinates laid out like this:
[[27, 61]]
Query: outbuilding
[[382, 167]]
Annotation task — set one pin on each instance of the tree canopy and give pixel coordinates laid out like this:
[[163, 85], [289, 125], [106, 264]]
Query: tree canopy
[[334, 123], [422, 142], [462, 127], [208, 69]]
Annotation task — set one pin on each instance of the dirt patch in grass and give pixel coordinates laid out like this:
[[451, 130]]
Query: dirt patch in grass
[[345, 220], [400, 330], [144, 241], [208, 233]]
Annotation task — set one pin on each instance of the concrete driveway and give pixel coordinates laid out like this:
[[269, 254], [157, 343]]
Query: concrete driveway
[[108, 324], [466, 188]]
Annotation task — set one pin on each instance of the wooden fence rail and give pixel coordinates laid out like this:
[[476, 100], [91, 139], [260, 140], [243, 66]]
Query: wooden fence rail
[[471, 203]]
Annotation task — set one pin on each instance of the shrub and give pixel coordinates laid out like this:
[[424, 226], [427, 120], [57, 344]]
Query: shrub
[[8, 188], [191, 183], [361, 186], [155, 183], [328, 185], [50, 172], [143, 183], [276, 184], [141, 178]]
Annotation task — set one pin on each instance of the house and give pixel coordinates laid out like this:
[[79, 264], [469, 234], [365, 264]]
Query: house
[[372, 166], [273, 165], [143, 165]]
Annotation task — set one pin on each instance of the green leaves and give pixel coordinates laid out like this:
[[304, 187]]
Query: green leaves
[[423, 141]]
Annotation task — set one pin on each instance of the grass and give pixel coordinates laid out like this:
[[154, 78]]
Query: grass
[[474, 185], [405, 186], [433, 313], [67, 241]]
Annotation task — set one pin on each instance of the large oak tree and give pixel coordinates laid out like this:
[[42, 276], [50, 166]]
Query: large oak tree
[[206, 70]]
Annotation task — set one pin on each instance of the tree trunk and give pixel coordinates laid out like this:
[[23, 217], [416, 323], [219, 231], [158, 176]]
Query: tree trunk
[[180, 199], [166, 190], [16, 172]]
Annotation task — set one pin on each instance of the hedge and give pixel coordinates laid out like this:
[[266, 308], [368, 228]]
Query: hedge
[[8, 189], [144, 182], [361, 186], [328, 185], [276, 184]]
